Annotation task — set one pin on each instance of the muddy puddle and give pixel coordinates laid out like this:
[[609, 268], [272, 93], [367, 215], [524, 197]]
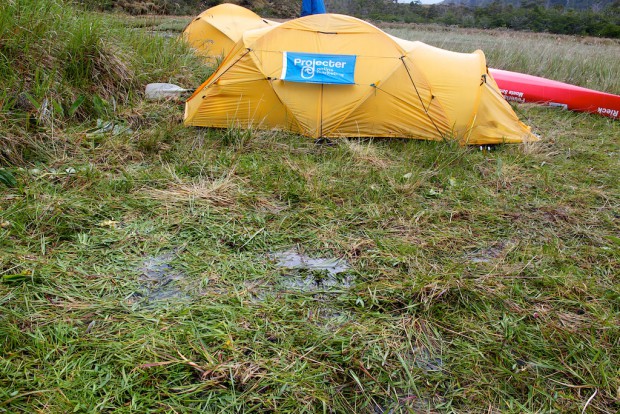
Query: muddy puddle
[[423, 359], [159, 281], [321, 278], [312, 274], [489, 254]]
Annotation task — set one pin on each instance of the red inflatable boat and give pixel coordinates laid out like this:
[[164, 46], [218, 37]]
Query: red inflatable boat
[[518, 87]]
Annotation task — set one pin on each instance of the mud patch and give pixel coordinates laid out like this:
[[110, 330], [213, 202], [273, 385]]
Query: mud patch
[[160, 281], [312, 275], [491, 253], [321, 280], [423, 359]]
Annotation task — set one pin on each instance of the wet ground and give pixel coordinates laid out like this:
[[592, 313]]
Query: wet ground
[[160, 281], [312, 274], [490, 253]]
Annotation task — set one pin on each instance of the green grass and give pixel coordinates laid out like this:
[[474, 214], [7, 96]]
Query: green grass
[[62, 68], [483, 281]]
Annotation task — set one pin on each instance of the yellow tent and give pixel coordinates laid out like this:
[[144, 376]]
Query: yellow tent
[[216, 30], [331, 75]]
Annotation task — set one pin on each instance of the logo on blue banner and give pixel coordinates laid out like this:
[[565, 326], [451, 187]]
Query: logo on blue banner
[[318, 68]]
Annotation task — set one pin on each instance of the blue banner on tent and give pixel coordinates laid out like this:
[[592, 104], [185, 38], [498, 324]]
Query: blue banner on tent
[[318, 68]]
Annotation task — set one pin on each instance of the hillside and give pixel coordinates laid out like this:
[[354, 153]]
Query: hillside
[[273, 8], [599, 18], [287, 9], [596, 5]]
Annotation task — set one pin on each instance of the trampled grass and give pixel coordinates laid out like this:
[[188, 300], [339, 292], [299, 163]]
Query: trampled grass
[[137, 270]]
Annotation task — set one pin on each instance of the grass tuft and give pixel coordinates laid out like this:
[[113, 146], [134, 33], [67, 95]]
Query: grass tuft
[[61, 67], [219, 191]]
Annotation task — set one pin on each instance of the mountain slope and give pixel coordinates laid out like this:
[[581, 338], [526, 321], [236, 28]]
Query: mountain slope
[[566, 4]]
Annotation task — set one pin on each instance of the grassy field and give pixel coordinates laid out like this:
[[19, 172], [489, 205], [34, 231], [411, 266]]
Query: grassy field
[[142, 269]]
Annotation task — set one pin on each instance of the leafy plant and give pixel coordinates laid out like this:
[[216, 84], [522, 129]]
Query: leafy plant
[[7, 178]]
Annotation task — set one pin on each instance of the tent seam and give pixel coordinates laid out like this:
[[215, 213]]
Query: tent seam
[[373, 89], [402, 59], [270, 80]]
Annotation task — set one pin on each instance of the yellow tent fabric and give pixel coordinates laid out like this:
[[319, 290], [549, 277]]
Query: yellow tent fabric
[[401, 89], [215, 31]]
